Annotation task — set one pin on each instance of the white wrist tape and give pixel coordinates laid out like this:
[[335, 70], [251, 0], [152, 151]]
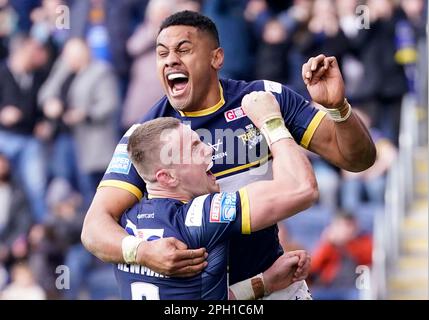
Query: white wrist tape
[[129, 248], [340, 114], [274, 129], [249, 289]]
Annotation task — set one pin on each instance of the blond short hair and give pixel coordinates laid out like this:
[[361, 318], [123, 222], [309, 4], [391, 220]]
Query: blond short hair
[[144, 145]]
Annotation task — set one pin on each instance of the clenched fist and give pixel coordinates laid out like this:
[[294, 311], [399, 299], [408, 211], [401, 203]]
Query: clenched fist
[[260, 106]]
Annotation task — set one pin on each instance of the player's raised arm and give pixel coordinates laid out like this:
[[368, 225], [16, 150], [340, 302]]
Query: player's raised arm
[[294, 186], [341, 138]]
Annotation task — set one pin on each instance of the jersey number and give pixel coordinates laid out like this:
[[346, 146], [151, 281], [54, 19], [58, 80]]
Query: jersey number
[[144, 291]]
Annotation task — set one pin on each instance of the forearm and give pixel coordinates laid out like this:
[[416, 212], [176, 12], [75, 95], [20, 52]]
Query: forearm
[[355, 144], [291, 167]]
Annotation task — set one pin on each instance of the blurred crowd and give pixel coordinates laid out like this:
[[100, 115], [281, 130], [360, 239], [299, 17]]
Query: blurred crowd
[[74, 75]]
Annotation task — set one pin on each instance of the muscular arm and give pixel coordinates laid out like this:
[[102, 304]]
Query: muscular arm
[[347, 145], [102, 235], [293, 187]]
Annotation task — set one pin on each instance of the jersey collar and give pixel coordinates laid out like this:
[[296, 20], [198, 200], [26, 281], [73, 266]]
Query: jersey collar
[[150, 196], [207, 111]]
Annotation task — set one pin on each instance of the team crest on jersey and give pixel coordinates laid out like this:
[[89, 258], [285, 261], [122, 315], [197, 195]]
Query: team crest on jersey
[[251, 137], [234, 114], [223, 208], [120, 162]]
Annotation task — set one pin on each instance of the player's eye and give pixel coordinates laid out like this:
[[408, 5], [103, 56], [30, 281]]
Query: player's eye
[[163, 54], [184, 50]]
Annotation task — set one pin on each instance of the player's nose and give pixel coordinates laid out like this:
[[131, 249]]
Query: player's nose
[[172, 60]]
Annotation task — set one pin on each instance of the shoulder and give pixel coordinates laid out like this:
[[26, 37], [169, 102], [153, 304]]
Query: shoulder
[[234, 87]]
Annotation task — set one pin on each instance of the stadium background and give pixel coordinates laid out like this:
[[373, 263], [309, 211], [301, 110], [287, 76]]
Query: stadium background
[[368, 234]]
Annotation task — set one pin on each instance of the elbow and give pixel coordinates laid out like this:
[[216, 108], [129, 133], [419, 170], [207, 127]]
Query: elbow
[[308, 194], [361, 161], [89, 244], [311, 193], [85, 238], [88, 240]]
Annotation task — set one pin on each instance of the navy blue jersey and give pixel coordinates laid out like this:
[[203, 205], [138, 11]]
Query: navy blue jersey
[[240, 157], [207, 221]]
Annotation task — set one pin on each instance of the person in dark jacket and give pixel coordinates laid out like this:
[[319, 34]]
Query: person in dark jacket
[[20, 82]]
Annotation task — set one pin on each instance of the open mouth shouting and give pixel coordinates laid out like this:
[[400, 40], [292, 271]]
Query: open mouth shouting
[[177, 83], [209, 173]]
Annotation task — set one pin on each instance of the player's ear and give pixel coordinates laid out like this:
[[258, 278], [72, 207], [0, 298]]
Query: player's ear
[[166, 178], [217, 58]]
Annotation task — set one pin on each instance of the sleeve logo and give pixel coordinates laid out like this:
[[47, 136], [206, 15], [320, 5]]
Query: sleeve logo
[[223, 208], [272, 86], [120, 162]]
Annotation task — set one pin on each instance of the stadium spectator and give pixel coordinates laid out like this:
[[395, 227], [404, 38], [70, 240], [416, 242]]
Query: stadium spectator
[[383, 84], [236, 38], [92, 100], [106, 25], [409, 34], [342, 248], [23, 9], [65, 225], [49, 25], [21, 80], [23, 285], [8, 25], [15, 216], [371, 182], [277, 28]]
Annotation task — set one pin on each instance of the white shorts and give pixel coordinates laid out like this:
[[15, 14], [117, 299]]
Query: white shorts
[[296, 291]]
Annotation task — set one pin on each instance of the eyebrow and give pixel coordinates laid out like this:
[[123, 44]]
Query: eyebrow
[[177, 46]]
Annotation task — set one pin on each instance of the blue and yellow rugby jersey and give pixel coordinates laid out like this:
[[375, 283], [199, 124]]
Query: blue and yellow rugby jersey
[[239, 158], [207, 221]]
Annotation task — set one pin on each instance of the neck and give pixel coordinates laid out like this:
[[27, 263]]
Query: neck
[[212, 97], [159, 192]]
